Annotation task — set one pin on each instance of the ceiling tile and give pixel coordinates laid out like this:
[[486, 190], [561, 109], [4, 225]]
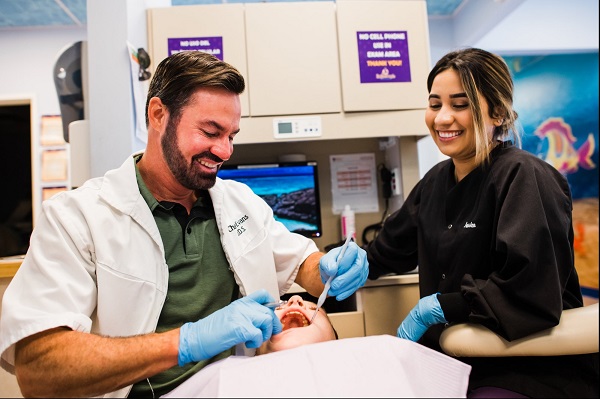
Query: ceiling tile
[[47, 13]]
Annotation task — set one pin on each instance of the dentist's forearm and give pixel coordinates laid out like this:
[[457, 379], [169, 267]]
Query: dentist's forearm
[[65, 363], [309, 276]]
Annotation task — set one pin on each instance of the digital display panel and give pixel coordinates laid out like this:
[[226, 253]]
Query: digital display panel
[[285, 127], [290, 189]]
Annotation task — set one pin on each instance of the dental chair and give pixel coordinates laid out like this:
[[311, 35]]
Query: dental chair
[[576, 333]]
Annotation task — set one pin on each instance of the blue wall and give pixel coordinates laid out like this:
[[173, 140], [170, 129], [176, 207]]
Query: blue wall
[[561, 88]]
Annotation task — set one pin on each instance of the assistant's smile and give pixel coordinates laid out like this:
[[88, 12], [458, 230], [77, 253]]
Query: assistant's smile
[[449, 134]]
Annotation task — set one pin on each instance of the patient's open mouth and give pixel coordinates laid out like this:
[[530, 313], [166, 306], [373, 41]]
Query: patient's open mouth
[[294, 319]]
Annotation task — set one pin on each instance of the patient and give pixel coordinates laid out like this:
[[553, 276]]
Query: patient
[[375, 366], [295, 316]]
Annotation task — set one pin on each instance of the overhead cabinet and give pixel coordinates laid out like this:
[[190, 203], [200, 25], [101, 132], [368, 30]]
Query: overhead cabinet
[[293, 64], [384, 54], [329, 70]]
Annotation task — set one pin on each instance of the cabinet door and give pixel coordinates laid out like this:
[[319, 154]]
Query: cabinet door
[[384, 54], [293, 60], [222, 23]]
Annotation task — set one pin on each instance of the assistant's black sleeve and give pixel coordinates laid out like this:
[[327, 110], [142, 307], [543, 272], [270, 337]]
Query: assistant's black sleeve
[[533, 253], [455, 307]]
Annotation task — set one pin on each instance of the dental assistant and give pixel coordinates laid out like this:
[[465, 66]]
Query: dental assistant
[[138, 279], [491, 231]]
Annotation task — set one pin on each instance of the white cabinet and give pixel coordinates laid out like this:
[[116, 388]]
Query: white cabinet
[[384, 54], [304, 58], [387, 301], [293, 65]]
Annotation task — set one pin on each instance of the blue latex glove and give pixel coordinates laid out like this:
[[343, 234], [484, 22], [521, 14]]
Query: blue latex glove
[[242, 321], [426, 313], [351, 274]]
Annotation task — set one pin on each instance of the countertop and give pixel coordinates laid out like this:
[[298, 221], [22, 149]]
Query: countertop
[[9, 265]]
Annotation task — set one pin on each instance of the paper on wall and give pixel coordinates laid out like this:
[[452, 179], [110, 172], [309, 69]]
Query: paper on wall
[[354, 182]]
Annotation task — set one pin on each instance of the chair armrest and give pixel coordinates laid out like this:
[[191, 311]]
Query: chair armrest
[[576, 333]]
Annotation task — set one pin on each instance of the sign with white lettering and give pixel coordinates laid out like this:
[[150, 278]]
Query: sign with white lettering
[[383, 57], [211, 45]]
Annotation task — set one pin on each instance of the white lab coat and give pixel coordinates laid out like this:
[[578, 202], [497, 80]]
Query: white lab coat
[[96, 261]]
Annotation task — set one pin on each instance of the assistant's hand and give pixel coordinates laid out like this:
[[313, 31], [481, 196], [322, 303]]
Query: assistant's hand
[[351, 274], [244, 320], [426, 313]]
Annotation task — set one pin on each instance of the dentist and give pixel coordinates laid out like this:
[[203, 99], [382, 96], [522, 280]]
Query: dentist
[[136, 280]]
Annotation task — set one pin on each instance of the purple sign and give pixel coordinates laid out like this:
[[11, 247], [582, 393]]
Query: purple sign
[[383, 57], [210, 45]]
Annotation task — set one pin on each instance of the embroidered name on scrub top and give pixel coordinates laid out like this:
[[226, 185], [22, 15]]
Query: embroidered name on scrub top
[[200, 281]]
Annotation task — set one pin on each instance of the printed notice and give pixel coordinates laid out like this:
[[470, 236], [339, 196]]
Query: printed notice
[[383, 57], [211, 45], [354, 182]]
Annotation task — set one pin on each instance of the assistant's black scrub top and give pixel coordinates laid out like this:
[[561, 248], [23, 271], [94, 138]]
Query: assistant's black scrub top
[[498, 246]]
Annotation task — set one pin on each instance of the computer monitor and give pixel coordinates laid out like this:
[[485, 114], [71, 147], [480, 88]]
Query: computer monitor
[[291, 189]]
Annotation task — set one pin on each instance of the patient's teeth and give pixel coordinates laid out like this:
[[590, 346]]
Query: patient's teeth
[[294, 319]]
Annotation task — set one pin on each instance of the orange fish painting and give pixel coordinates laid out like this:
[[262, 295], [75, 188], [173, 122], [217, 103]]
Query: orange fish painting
[[561, 152]]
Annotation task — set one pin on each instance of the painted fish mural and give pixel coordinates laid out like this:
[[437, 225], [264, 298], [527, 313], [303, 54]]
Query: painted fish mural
[[558, 147]]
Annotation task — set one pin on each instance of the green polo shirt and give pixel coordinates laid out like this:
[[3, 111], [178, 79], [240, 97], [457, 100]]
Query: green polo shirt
[[200, 281]]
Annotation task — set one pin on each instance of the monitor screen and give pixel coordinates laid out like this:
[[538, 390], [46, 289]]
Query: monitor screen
[[291, 190]]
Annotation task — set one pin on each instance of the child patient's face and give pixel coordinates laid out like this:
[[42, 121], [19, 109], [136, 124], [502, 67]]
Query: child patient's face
[[295, 316]]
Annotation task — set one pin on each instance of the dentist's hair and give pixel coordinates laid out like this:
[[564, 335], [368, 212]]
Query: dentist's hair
[[178, 76], [485, 73]]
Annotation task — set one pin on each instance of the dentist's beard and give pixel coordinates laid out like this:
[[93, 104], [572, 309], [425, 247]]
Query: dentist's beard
[[190, 176]]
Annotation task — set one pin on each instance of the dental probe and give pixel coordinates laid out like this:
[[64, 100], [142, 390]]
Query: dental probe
[[323, 295], [274, 305]]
